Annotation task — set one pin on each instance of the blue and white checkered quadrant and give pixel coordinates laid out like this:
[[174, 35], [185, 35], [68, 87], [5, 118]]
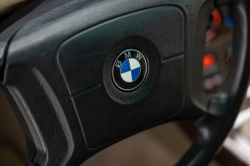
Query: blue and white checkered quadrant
[[130, 70]]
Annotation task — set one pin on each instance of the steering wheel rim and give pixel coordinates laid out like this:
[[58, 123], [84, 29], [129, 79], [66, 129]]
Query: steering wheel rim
[[37, 75]]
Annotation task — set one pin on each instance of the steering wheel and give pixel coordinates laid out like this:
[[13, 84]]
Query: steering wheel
[[82, 75]]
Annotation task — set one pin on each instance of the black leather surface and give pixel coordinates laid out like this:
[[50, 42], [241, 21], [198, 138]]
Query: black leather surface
[[104, 120], [27, 13], [81, 58]]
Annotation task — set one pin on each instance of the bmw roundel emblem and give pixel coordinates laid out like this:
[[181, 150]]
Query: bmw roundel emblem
[[129, 70]]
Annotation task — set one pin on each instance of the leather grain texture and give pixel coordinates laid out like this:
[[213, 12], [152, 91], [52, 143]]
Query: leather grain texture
[[104, 120], [81, 58]]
